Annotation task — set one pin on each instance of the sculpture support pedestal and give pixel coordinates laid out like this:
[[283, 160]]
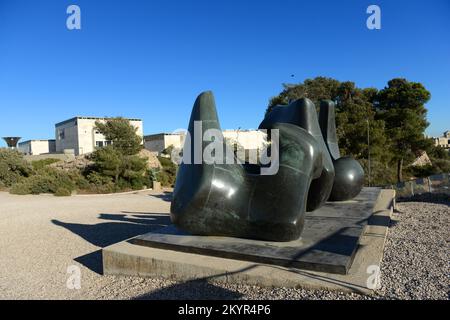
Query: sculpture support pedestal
[[339, 242]]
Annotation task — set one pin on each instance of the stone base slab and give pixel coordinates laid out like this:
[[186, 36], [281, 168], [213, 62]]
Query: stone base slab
[[128, 258]]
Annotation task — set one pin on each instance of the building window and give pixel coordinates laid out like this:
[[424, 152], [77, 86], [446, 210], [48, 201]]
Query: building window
[[61, 134], [99, 144]]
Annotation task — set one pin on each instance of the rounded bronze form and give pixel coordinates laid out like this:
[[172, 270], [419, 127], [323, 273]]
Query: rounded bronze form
[[348, 180]]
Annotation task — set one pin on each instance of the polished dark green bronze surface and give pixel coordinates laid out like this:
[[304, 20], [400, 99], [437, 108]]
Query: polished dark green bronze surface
[[349, 175], [302, 113], [235, 200]]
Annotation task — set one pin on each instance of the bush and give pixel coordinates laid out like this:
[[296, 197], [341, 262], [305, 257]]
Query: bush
[[100, 184], [40, 164], [137, 184], [47, 180], [380, 173], [13, 167], [125, 171], [168, 174], [441, 165], [63, 192], [81, 183], [421, 171], [438, 166], [20, 189]]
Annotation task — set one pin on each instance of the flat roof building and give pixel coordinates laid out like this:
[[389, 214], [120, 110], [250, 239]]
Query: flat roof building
[[161, 141], [443, 141], [247, 139], [37, 147], [78, 135]]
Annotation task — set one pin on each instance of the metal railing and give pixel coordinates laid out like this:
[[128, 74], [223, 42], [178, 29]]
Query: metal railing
[[439, 183]]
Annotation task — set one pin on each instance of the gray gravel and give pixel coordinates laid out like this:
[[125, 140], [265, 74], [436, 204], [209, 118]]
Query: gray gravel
[[42, 235]]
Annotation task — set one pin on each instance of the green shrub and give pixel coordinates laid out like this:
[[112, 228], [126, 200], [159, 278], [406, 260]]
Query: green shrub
[[380, 173], [63, 192], [137, 184], [421, 171], [166, 162], [40, 164], [46, 180], [100, 184], [81, 183], [441, 165], [20, 189], [118, 167], [168, 174], [13, 167], [438, 166], [165, 179]]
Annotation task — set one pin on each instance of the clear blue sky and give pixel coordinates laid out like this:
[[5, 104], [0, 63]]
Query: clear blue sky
[[150, 59]]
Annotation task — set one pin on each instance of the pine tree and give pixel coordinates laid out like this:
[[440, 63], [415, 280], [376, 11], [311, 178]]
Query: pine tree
[[401, 106]]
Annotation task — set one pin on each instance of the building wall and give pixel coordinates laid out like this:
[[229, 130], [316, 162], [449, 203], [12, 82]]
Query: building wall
[[161, 141], [154, 143], [248, 139], [175, 140], [37, 147], [24, 147], [66, 136], [81, 136], [443, 141]]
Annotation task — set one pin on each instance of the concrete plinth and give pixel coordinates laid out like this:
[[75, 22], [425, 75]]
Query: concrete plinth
[[341, 247]]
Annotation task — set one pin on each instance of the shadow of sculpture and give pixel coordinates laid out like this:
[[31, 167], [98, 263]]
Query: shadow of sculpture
[[165, 196], [93, 261], [191, 290], [104, 234], [107, 233]]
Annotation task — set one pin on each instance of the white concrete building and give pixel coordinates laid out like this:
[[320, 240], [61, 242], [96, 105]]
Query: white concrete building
[[247, 139], [79, 136], [37, 147], [160, 141], [443, 141]]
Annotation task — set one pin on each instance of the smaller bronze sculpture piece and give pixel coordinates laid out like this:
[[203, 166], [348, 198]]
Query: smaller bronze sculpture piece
[[220, 198], [349, 175]]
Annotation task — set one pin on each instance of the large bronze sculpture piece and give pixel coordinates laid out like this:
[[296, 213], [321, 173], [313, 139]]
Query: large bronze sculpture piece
[[237, 200]]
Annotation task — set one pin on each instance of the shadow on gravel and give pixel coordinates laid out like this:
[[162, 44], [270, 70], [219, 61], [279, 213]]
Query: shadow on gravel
[[104, 234], [92, 261], [165, 196], [191, 290]]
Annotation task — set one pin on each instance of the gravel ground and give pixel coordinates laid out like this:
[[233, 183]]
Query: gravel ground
[[41, 236]]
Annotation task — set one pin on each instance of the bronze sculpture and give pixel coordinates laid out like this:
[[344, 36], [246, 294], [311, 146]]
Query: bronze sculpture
[[236, 200]]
